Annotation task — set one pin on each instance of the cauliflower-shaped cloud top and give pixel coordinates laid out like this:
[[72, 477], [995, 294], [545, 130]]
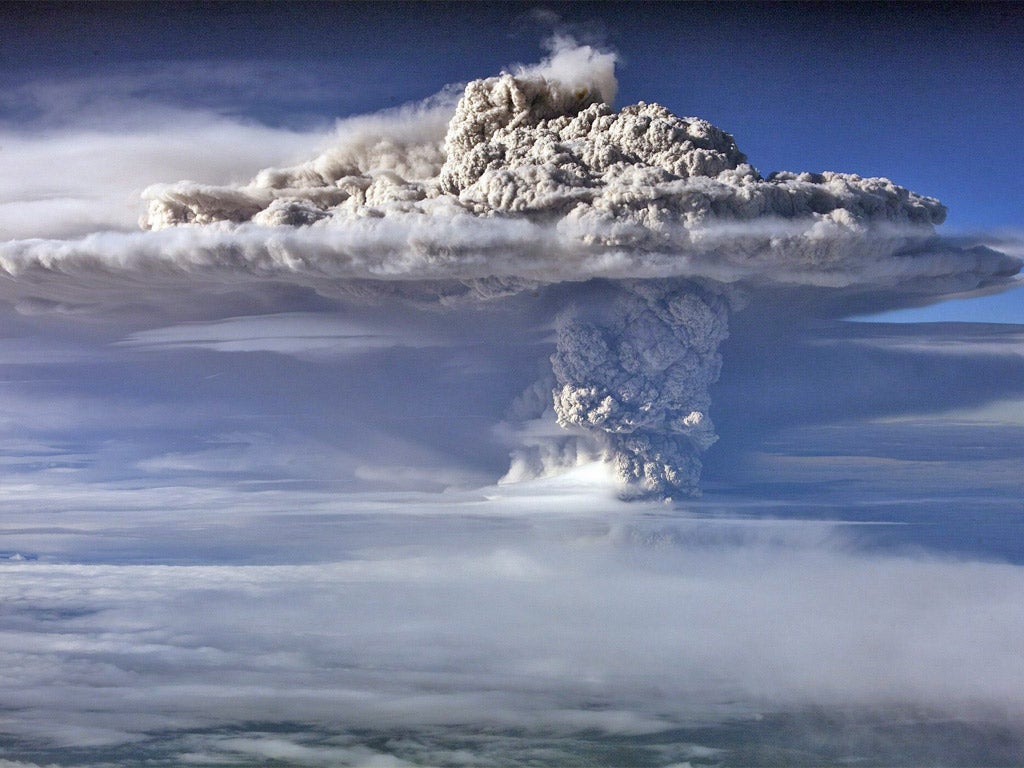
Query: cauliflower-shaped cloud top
[[530, 147]]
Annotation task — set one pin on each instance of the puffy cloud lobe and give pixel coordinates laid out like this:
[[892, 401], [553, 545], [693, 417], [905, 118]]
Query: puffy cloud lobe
[[544, 145], [402, 144]]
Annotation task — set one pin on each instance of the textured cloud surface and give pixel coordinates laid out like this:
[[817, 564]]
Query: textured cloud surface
[[550, 182], [534, 181], [544, 616], [547, 182]]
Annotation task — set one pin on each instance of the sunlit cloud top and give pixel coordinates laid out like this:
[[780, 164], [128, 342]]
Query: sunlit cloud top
[[534, 175]]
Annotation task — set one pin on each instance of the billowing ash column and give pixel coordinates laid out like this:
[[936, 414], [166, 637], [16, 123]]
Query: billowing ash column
[[637, 218], [637, 372], [635, 369]]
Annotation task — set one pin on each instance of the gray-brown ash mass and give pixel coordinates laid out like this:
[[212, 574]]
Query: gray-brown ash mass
[[637, 371], [536, 149]]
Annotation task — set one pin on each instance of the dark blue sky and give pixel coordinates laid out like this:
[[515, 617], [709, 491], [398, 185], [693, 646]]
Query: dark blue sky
[[927, 94]]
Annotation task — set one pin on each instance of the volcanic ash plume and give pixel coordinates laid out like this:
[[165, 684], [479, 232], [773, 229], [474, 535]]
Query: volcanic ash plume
[[638, 372], [537, 180], [537, 172]]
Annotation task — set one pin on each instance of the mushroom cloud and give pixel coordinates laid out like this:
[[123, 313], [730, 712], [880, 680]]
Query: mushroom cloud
[[653, 225]]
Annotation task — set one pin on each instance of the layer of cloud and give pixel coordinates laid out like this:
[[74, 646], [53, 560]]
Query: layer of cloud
[[72, 181], [610, 622], [532, 175], [298, 334]]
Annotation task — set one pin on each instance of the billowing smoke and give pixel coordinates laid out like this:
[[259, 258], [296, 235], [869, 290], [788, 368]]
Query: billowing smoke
[[537, 180], [638, 371], [551, 183]]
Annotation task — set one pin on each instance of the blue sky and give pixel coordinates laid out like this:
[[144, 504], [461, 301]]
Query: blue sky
[[274, 510], [923, 93]]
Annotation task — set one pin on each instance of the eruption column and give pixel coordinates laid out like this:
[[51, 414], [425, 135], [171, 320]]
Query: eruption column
[[637, 373]]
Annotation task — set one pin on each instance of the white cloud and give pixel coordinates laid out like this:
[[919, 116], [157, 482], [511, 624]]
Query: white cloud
[[305, 334], [573, 67], [69, 181], [503, 622]]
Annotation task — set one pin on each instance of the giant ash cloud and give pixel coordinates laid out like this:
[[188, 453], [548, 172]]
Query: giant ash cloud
[[534, 180]]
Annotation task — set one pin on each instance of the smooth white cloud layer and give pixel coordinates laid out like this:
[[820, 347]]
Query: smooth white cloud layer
[[292, 333], [610, 621], [69, 182]]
